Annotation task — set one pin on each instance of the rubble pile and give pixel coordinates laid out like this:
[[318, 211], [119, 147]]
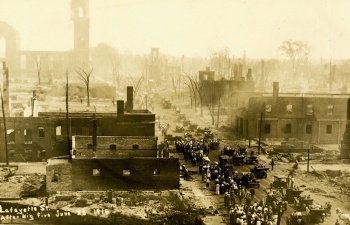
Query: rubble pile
[[34, 185], [146, 205]]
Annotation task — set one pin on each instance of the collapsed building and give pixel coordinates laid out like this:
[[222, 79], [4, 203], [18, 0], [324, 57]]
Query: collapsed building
[[119, 152]]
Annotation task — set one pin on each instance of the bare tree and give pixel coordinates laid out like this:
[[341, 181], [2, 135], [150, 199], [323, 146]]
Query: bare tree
[[142, 64], [175, 81], [191, 86], [85, 75], [297, 52], [198, 86], [136, 83], [108, 60], [220, 62]]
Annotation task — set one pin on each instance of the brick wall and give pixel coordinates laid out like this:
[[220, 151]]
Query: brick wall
[[278, 118], [62, 170], [147, 147], [111, 174]]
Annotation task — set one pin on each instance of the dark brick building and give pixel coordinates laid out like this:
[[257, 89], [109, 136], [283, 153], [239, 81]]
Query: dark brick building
[[113, 152], [314, 119]]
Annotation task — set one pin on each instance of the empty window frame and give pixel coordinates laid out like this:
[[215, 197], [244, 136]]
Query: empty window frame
[[330, 110], [308, 129], [289, 109], [156, 172], [288, 128], [96, 172], [135, 146], [11, 137], [58, 131], [267, 128], [309, 110], [113, 147], [41, 131], [268, 108], [126, 172], [54, 176], [328, 129], [27, 136]]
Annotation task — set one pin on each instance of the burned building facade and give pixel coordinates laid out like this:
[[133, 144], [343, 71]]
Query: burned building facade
[[316, 119], [45, 136], [117, 152], [48, 64], [231, 96]]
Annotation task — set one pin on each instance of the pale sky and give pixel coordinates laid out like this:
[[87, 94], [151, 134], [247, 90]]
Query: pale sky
[[189, 27]]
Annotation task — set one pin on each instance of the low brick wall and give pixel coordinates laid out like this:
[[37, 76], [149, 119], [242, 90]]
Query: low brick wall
[[59, 176], [126, 174]]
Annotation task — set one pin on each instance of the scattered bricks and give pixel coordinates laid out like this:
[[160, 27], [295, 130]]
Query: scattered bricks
[[64, 198]]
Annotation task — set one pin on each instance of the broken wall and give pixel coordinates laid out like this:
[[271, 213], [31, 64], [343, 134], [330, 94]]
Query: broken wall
[[125, 174]]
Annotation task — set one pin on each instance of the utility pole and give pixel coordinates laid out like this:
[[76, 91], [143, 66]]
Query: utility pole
[[67, 116], [259, 144], [4, 117], [308, 158]]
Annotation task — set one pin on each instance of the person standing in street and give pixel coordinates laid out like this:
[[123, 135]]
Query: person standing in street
[[252, 193], [272, 163], [208, 182]]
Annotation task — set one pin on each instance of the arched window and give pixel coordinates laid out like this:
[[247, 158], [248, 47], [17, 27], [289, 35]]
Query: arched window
[[113, 147]]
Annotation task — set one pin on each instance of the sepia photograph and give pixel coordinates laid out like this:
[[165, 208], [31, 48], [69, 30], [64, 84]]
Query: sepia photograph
[[175, 112]]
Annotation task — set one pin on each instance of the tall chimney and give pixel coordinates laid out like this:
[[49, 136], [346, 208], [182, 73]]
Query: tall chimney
[[275, 90], [120, 107], [129, 98], [249, 75], [94, 133]]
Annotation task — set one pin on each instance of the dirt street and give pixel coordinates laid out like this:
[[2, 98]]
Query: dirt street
[[313, 184]]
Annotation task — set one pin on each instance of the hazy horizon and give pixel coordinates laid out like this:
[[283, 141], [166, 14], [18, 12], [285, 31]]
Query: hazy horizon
[[187, 27]]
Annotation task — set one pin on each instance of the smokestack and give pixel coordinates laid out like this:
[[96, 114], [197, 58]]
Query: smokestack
[[94, 133], [120, 107], [275, 90], [249, 75], [129, 98]]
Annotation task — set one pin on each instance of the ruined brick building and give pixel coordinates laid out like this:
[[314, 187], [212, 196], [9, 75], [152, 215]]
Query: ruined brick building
[[23, 63], [113, 151], [314, 118]]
